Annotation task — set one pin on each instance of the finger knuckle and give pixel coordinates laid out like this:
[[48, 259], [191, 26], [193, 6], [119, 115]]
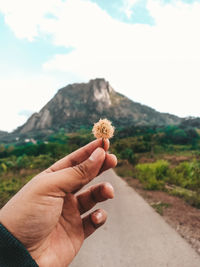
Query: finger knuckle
[[82, 171]]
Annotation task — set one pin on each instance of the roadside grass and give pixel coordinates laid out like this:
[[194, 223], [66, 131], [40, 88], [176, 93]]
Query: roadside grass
[[124, 169], [191, 197], [178, 176], [12, 182], [152, 175], [160, 206]]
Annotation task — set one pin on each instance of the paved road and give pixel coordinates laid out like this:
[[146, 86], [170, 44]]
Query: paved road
[[134, 235]]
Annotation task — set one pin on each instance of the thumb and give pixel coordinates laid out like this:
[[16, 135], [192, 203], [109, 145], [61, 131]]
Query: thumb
[[74, 178]]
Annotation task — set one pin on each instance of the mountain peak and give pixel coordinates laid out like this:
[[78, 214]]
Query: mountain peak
[[81, 104], [100, 84], [100, 94]]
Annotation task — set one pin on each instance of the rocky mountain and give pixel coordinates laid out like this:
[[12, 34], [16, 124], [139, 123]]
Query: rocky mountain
[[192, 122], [3, 133], [81, 104]]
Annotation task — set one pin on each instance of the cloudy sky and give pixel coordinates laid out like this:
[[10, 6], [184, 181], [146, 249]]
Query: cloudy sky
[[148, 50]]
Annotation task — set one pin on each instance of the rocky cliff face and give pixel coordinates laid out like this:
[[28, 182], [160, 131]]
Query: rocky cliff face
[[80, 105], [3, 133]]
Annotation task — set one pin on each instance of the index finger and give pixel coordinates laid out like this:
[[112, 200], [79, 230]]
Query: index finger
[[79, 155]]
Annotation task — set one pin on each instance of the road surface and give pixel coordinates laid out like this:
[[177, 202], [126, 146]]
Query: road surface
[[134, 235]]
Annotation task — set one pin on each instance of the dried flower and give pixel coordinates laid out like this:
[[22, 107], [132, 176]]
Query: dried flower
[[103, 129]]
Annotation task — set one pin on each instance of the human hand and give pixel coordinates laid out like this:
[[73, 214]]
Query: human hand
[[45, 215]]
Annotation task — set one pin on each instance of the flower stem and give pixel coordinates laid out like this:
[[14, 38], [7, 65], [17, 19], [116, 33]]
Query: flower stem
[[103, 143]]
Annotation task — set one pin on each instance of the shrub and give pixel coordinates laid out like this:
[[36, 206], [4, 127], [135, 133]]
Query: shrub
[[123, 171], [186, 175], [41, 162], [3, 167], [153, 184], [160, 206], [8, 188], [128, 154], [189, 196], [23, 162], [153, 175]]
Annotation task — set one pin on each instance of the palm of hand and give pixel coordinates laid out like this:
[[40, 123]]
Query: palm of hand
[[61, 236], [47, 220]]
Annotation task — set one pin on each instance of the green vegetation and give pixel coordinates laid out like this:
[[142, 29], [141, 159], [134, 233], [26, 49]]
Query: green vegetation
[[160, 206], [153, 175], [166, 159], [162, 158], [125, 169], [185, 175], [182, 180], [191, 197], [19, 162]]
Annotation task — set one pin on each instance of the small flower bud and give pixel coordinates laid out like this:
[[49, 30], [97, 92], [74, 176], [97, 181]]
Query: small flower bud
[[103, 129]]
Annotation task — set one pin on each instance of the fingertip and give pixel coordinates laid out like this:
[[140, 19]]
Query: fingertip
[[107, 190], [97, 154], [113, 160], [99, 217], [106, 144], [110, 162]]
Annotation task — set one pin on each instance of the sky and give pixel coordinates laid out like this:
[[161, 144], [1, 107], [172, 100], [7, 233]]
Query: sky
[[149, 50]]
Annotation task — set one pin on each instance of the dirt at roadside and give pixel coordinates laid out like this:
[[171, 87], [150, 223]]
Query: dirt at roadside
[[181, 216]]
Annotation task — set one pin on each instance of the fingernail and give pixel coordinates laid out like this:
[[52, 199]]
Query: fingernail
[[96, 154], [98, 217], [111, 195], [109, 185]]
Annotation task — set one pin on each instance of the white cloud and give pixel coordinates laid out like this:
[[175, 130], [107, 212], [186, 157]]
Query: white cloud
[[155, 65], [128, 7], [25, 16], [23, 92]]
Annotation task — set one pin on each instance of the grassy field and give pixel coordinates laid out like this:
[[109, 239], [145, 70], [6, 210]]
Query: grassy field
[[166, 159]]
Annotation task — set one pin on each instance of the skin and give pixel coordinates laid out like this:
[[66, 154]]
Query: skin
[[47, 214]]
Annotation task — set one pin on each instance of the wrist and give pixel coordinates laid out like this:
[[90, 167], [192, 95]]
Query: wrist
[[12, 251]]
